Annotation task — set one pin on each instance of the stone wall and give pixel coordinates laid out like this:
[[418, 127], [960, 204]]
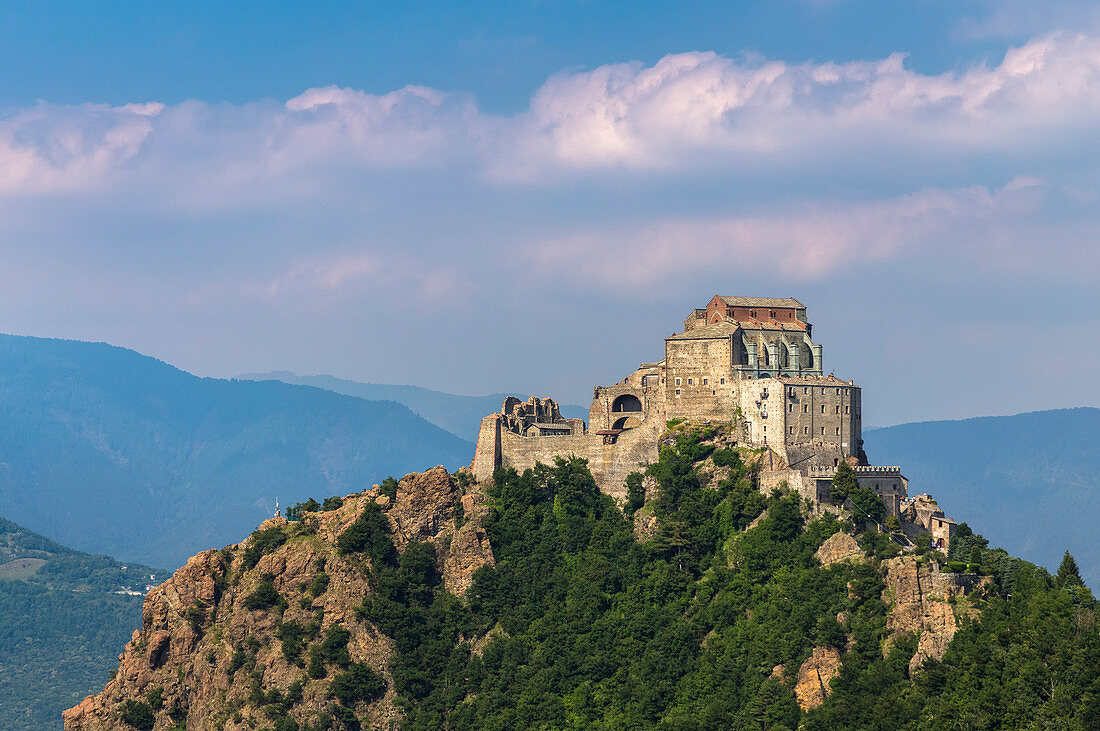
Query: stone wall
[[699, 380], [609, 463]]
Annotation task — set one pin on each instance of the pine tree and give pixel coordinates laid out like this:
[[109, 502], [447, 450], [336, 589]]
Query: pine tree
[[844, 481], [1068, 573]]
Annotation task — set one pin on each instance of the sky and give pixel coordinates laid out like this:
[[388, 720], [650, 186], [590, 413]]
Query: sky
[[530, 196]]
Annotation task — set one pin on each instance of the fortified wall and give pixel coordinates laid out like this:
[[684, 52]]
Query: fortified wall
[[746, 361]]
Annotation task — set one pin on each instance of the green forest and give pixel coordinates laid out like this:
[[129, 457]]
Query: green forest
[[705, 624], [61, 624]]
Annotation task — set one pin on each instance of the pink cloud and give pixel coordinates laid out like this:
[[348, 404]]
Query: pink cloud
[[799, 243]]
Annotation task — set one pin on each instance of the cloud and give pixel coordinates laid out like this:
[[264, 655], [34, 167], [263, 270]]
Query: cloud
[[688, 112], [800, 243]]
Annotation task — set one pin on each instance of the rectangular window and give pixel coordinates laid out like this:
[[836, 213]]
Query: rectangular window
[[838, 431], [845, 409], [790, 408], [805, 390], [689, 381], [722, 381], [805, 430], [822, 391], [792, 429], [822, 431], [838, 392], [677, 383], [805, 408], [704, 381], [677, 392], [765, 429], [838, 409], [823, 408]]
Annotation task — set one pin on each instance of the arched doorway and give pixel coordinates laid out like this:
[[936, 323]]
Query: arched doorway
[[626, 422], [626, 403]]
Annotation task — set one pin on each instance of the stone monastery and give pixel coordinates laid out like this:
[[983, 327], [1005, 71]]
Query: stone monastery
[[746, 361]]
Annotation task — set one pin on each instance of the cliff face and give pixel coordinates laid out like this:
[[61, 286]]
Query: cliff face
[[928, 603], [269, 628]]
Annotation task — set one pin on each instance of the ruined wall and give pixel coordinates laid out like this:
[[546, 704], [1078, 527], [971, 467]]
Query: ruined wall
[[609, 463]]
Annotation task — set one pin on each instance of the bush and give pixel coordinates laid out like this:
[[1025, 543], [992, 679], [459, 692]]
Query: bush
[[369, 534], [389, 488], [265, 596], [137, 714], [332, 503], [309, 506], [727, 457], [263, 541], [358, 683], [319, 585]]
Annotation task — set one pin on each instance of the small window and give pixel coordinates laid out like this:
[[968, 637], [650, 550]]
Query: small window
[[791, 430], [838, 392], [823, 408], [677, 392], [822, 391], [845, 409], [713, 392], [805, 430], [822, 431], [722, 381], [765, 429], [704, 381], [838, 409], [677, 383], [805, 390], [838, 431], [805, 408], [790, 408]]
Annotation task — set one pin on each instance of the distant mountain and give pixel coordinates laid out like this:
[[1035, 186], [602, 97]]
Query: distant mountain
[[114, 452], [459, 415], [62, 622], [1029, 483]]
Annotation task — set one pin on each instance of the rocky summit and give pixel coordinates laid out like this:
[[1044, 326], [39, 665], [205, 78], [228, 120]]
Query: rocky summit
[[236, 629]]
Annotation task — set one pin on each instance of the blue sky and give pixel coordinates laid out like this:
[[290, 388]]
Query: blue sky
[[529, 196]]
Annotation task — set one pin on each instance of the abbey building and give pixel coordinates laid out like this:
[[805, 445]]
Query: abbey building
[[746, 361]]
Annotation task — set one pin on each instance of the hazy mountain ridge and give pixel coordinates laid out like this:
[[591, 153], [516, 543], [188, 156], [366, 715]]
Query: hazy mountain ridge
[[460, 415], [61, 623], [1028, 482], [114, 452]]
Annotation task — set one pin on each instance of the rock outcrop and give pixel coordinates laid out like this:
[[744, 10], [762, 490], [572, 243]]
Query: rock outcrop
[[839, 547], [928, 603], [814, 675], [226, 641]]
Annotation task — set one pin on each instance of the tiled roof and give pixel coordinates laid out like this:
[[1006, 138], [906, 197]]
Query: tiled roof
[[762, 302]]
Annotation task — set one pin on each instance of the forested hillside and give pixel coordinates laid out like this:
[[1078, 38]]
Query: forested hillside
[[459, 415], [705, 605], [1029, 482], [113, 452], [61, 624]]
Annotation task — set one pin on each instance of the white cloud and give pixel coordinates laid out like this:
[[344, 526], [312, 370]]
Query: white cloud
[[689, 111], [799, 243]]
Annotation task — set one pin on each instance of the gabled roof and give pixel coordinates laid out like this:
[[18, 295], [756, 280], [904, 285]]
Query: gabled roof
[[762, 302]]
